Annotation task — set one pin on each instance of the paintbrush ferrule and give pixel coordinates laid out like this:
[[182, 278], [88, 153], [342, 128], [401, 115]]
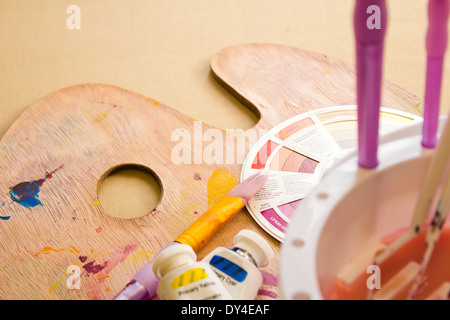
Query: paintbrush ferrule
[[205, 227]]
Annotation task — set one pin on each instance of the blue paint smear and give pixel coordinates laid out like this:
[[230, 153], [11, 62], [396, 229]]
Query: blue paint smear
[[4, 217], [27, 193]]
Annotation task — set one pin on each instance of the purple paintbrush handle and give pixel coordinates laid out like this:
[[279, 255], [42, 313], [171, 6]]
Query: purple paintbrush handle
[[436, 44], [370, 19], [438, 11]]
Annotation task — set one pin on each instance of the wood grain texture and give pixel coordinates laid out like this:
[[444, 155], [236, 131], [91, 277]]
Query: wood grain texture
[[68, 141], [279, 82]]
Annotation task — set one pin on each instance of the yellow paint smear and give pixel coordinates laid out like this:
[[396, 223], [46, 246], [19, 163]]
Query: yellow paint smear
[[143, 254], [53, 286], [220, 184]]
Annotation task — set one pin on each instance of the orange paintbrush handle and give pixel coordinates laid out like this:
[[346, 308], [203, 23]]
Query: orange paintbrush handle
[[205, 227]]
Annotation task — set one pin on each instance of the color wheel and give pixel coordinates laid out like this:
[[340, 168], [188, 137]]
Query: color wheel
[[297, 152]]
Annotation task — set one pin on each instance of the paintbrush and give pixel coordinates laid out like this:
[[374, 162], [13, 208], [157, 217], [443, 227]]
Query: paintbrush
[[436, 45], [144, 283], [370, 19], [436, 42], [442, 153], [433, 234], [438, 166]]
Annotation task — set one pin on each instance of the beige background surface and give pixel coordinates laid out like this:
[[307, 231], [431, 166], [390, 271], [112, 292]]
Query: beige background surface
[[162, 48]]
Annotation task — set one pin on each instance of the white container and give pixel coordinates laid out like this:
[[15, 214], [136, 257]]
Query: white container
[[349, 211], [183, 278], [237, 268]]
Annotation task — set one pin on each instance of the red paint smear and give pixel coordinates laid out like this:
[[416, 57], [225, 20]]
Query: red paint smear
[[197, 177], [120, 256], [50, 175], [267, 293], [94, 289], [93, 268], [269, 278]]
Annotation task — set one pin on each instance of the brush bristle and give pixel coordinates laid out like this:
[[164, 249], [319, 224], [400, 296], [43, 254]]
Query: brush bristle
[[249, 187]]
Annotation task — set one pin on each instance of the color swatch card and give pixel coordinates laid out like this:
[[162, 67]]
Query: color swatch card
[[297, 153]]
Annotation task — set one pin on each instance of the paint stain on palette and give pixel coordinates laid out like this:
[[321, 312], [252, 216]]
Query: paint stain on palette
[[27, 193], [270, 281], [220, 183], [91, 268], [297, 152]]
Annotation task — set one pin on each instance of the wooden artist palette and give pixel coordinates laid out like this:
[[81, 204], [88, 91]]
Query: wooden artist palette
[[54, 156]]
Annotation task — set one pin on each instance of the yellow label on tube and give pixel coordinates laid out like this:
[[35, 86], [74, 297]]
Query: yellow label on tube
[[189, 277]]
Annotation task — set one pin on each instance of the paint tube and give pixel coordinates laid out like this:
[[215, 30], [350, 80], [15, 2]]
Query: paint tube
[[238, 268], [182, 277]]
